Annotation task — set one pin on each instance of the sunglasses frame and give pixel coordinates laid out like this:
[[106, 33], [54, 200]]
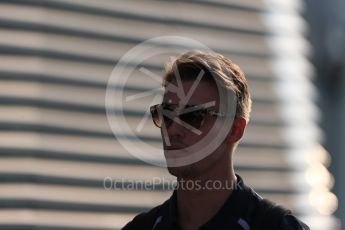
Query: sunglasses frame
[[186, 109]]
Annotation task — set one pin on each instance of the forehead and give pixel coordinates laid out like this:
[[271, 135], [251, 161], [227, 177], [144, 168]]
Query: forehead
[[196, 92]]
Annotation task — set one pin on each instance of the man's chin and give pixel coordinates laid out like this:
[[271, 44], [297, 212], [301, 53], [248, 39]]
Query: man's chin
[[175, 171], [180, 172]]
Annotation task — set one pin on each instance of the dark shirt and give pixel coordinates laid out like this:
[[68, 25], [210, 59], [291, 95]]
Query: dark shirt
[[237, 213]]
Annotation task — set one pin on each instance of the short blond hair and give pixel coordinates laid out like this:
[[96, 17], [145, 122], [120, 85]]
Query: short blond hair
[[216, 66]]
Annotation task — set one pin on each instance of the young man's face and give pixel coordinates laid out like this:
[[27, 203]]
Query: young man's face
[[182, 136]]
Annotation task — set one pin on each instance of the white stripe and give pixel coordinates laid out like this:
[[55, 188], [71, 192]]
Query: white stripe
[[243, 224], [157, 221]]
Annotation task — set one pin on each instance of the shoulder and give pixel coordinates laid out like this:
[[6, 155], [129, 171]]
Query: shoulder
[[290, 222], [265, 214], [270, 215], [144, 220]]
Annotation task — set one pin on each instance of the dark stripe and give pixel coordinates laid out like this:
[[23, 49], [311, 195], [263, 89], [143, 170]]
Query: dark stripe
[[48, 78], [16, 226], [96, 158], [70, 156], [115, 185], [67, 206], [22, 25], [69, 81], [153, 139], [66, 81], [227, 5], [136, 17], [31, 26], [71, 131], [42, 179], [24, 51], [39, 102], [51, 104]]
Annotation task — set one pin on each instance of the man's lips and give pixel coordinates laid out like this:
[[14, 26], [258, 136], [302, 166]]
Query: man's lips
[[173, 148]]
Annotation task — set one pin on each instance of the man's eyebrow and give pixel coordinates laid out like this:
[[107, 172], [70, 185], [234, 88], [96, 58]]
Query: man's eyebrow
[[192, 107], [198, 106]]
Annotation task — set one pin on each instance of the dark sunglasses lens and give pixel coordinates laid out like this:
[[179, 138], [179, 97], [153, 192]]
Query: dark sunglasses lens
[[167, 109], [194, 118]]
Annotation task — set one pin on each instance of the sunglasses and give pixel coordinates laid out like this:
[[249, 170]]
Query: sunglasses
[[189, 115]]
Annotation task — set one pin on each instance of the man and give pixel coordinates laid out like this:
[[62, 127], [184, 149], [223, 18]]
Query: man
[[207, 103]]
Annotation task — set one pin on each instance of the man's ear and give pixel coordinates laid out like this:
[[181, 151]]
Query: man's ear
[[237, 129]]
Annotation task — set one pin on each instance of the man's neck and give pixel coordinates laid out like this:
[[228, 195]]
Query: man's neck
[[198, 200]]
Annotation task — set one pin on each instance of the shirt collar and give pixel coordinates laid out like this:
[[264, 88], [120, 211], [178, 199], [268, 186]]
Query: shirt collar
[[230, 214]]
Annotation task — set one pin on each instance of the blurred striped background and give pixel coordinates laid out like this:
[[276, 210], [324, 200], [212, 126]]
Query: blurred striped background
[[56, 146]]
